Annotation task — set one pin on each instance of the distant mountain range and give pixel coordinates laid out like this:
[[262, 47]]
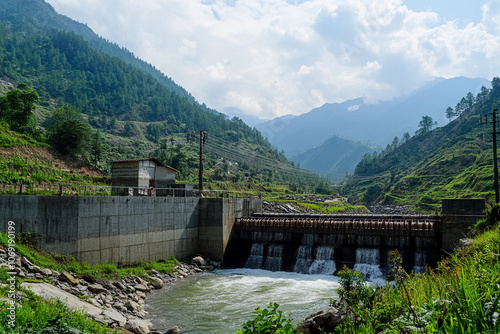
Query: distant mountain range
[[304, 138], [334, 157]]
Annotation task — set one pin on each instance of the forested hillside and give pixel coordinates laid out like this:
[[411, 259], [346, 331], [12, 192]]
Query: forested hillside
[[334, 157], [451, 161], [37, 15], [133, 109]]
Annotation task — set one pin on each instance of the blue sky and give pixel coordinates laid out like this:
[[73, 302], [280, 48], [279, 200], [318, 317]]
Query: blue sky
[[268, 58], [463, 10]]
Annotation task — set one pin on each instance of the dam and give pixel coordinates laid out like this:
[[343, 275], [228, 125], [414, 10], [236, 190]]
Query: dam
[[132, 229], [324, 244]]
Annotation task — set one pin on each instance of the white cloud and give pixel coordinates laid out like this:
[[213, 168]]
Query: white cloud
[[273, 57]]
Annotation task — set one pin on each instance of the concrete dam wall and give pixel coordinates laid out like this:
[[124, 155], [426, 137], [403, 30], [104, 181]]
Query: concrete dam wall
[[127, 229], [324, 244]]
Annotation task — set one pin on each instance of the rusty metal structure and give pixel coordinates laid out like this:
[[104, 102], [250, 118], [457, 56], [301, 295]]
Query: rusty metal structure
[[373, 225], [344, 236]]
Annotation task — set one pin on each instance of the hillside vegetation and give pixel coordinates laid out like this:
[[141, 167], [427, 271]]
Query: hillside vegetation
[[133, 110], [452, 161]]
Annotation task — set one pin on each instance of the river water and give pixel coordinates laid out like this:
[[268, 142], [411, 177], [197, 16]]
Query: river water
[[222, 300]]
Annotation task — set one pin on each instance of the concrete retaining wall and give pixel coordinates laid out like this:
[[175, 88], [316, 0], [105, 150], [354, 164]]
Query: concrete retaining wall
[[458, 216], [217, 218], [125, 229]]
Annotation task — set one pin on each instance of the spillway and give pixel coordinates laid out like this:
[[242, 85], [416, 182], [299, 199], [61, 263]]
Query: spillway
[[324, 244]]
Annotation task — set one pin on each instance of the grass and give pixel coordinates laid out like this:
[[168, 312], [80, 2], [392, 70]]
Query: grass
[[26, 246], [10, 138], [461, 295], [35, 315], [40, 178]]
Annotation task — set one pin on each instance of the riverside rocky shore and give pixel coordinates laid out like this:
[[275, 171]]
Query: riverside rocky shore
[[115, 303]]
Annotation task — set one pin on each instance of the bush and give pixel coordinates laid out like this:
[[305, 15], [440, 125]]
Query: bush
[[355, 296], [267, 321]]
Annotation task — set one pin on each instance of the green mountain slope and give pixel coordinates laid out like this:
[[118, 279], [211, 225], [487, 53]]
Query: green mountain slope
[[333, 158], [137, 110], [451, 161], [37, 15]]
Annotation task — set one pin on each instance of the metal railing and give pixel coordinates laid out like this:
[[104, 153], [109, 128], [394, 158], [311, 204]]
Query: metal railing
[[104, 190]]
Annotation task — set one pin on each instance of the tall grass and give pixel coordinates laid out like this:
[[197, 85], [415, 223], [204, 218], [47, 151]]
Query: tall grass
[[35, 315], [461, 295]]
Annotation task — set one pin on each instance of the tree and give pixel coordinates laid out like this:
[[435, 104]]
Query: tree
[[97, 148], [128, 129], [495, 87], [67, 131], [16, 108], [395, 142], [469, 98], [406, 137], [450, 113], [483, 94], [425, 125]]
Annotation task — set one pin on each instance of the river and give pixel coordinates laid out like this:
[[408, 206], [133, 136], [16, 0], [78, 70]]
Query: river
[[222, 300]]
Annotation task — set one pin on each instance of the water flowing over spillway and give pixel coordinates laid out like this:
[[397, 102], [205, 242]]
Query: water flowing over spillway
[[368, 263], [223, 300], [326, 254]]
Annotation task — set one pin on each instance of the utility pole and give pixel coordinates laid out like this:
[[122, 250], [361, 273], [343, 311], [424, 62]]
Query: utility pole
[[203, 140], [494, 115]]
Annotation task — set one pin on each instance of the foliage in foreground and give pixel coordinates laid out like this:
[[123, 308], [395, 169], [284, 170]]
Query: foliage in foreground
[[35, 315], [268, 321], [462, 295]]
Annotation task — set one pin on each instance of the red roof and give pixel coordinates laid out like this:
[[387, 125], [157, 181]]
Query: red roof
[[147, 159]]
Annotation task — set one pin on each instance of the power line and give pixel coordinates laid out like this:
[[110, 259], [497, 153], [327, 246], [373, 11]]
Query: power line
[[230, 151]]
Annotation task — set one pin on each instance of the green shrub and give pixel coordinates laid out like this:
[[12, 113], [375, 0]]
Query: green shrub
[[355, 297], [267, 321]]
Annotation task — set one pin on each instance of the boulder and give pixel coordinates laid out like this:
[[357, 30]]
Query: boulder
[[46, 271], [131, 305], [97, 288], [35, 269], [125, 331], [49, 292], [157, 282], [323, 321], [198, 261], [141, 287], [115, 316], [120, 286], [67, 277], [174, 330], [138, 326], [26, 263]]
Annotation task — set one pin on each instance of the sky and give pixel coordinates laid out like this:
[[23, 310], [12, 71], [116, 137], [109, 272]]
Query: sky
[[269, 58]]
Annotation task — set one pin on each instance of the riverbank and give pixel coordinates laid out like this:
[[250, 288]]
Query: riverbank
[[96, 299]]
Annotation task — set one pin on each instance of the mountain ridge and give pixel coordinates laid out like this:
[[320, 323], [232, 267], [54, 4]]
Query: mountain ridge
[[452, 161], [330, 119]]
